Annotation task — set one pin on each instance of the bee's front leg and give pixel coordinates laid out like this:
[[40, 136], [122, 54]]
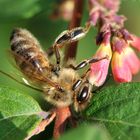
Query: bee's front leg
[[84, 63]]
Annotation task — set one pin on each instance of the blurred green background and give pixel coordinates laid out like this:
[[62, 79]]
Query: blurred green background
[[34, 15]]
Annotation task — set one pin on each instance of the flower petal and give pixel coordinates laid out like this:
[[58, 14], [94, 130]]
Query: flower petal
[[121, 71], [132, 60], [99, 70], [94, 16], [136, 42]]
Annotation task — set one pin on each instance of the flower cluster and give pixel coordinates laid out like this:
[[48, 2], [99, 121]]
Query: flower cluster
[[113, 40]]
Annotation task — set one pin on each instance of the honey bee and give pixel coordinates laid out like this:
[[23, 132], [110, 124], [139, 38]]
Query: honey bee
[[61, 84]]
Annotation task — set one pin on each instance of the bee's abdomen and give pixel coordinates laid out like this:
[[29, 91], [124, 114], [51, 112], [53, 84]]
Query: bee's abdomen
[[27, 51], [23, 44]]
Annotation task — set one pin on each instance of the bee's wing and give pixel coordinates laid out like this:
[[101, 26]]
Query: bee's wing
[[41, 79], [29, 83], [17, 76], [21, 80]]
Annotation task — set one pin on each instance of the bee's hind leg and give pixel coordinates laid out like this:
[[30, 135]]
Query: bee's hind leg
[[49, 52]]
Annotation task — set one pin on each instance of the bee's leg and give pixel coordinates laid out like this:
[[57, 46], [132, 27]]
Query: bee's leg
[[75, 34], [67, 37], [84, 79], [57, 55], [86, 62], [49, 51], [79, 81], [85, 75]]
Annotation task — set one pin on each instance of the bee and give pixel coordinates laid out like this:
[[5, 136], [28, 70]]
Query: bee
[[61, 84]]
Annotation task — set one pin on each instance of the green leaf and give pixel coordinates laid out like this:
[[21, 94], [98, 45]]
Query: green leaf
[[19, 114], [118, 107], [86, 132], [18, 9], [24, 9]]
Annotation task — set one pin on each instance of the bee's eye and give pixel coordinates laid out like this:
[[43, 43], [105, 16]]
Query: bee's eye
[[83, 95]]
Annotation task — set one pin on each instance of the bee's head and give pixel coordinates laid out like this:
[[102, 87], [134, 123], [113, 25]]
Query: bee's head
[[82, 95]]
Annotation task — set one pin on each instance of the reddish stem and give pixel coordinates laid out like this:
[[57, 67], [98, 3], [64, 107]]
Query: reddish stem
[[71, 50], [62, 114]]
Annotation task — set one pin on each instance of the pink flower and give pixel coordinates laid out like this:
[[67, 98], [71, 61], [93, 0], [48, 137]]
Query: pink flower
[[131, 60], [94, 16], [112, 5], [99, 70], [135, 42], [114, 41], [124, 61], [120, 70]]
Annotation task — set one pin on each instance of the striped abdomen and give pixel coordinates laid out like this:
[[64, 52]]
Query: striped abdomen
[[28, 54]]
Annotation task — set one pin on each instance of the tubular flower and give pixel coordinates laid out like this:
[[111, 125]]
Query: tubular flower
[[135, 42], [131, 60], [125, 62], [98, 8], [99, 70], [120, 70]]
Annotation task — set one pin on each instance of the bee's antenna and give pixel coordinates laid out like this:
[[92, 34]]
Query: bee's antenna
[[24, 84]]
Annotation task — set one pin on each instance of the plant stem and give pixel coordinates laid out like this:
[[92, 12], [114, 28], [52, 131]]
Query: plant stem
[[62, 115], [71, 49]]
